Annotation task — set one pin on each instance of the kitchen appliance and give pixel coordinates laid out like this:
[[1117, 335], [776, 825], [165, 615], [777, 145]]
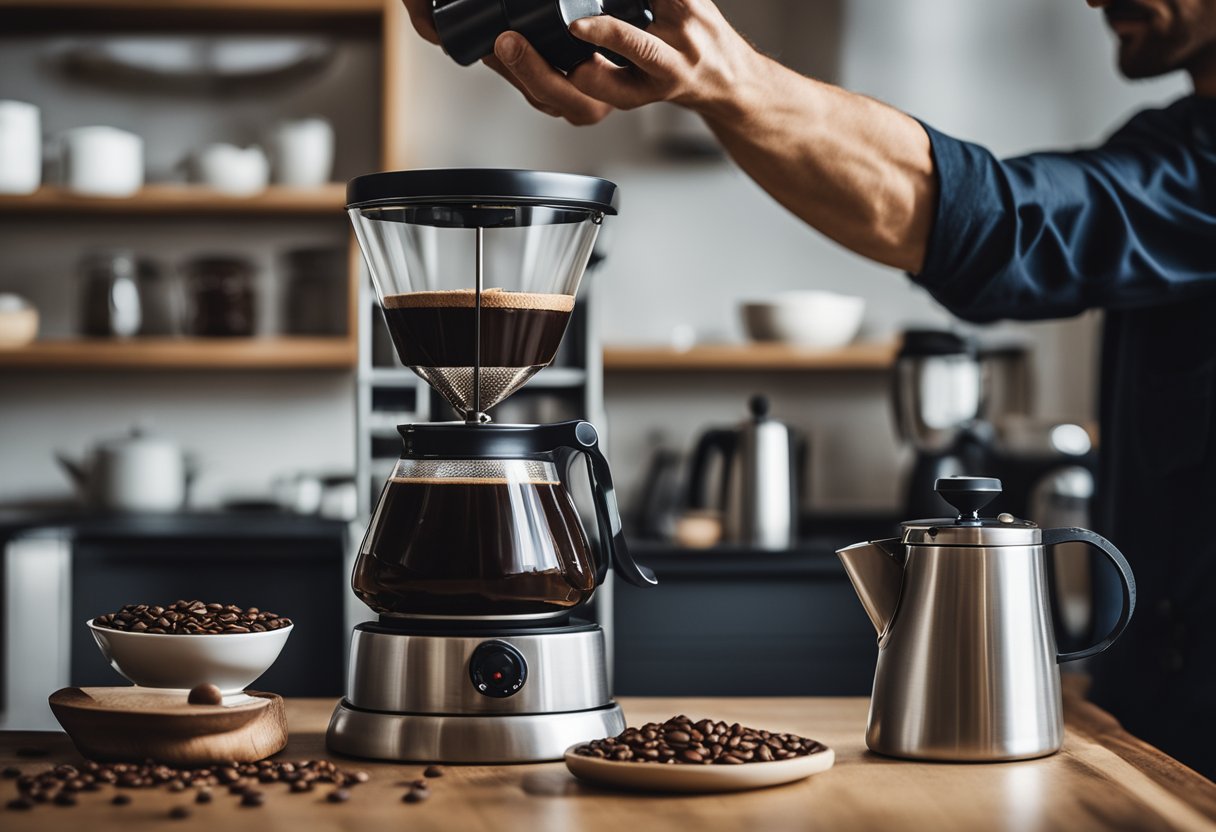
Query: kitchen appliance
[[109, 295], [967, 659], [468, 28], [962, 408], [136, 472], [475, 557], [762, 465]]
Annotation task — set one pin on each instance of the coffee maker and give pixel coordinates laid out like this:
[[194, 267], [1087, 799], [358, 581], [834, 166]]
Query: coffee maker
[[963, 408], [475, 558]]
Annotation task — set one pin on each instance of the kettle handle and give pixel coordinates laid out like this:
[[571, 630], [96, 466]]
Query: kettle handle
[[581, 437], [1054, 537], [723, 440]]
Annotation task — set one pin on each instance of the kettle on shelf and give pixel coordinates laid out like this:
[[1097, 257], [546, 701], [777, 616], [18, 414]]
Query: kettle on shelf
[[967, 657], [762, 464]]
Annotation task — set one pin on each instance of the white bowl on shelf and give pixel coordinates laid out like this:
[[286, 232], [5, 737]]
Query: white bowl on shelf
[[810, 318], [231, 661]]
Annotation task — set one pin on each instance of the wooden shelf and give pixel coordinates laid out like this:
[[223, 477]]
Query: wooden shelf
[[869, 356], [183, 354], [183, 200]]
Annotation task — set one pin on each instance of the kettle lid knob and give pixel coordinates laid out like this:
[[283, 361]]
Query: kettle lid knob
[[968, 494], [759, 406]]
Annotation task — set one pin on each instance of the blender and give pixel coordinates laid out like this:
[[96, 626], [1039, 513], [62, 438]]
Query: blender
[[476, 560]]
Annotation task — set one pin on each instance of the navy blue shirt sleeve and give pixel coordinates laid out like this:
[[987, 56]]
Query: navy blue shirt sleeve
[[1130, 223]]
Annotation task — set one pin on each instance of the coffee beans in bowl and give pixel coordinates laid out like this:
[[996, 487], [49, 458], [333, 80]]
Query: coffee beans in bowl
[[185, 644], [191, 618], [686, 755]]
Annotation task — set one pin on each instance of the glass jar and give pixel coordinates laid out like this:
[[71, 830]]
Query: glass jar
[[223, 297]]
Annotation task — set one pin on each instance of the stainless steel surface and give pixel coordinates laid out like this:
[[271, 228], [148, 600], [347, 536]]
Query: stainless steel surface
[[761, 504], [428, 674], [945, 532], [936, 397], [876, 570], [968, 669], [467, 739]]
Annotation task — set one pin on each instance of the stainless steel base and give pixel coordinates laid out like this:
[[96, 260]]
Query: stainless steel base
[[499, 738]]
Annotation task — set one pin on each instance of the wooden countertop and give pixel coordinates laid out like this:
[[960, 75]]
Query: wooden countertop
[[1103, 779]]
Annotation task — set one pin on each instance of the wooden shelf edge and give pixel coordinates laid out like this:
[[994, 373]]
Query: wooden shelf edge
[[867, 356], [182, 199], [279, 353]]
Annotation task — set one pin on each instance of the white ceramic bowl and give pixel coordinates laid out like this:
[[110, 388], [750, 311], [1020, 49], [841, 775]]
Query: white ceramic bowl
[[812, 318], [154, 660]]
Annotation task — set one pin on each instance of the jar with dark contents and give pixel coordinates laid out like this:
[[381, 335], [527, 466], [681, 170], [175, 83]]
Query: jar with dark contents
[[223, 296]]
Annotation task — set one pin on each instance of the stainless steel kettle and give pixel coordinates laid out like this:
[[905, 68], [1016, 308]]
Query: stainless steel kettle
[[762, 461], [967, 658]]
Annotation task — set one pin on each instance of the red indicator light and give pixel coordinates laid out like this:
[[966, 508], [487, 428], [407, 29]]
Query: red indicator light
[[496, 676]]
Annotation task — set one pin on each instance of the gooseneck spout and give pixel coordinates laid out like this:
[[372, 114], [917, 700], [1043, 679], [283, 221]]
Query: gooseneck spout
[[877, 572]]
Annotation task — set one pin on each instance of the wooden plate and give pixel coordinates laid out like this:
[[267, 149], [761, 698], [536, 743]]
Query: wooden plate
[[659, 777], [131, 724]]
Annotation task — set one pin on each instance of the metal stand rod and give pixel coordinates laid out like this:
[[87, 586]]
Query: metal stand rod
[[476, 415]]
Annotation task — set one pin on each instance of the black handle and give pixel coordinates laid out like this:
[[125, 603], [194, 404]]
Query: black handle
[[1054, 537], [582, 437], [723, 441]]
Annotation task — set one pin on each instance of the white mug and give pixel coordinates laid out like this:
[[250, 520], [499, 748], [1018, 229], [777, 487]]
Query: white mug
[[238, 171], [102, 161], [304, 152], [20, 148]]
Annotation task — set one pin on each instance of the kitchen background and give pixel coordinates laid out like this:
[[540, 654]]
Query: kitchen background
[[695, 237]]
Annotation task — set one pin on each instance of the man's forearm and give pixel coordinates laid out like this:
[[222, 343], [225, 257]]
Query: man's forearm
[[859, 171]]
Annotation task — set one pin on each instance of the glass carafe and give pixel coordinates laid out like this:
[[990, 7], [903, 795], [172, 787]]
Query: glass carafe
[[478, 522]]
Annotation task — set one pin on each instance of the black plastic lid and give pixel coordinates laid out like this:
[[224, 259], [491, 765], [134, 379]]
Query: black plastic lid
[[918, 342], [461, 440], [490, 185]]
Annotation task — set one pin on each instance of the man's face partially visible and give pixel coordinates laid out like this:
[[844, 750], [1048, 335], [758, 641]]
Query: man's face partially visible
[[1159, 36]]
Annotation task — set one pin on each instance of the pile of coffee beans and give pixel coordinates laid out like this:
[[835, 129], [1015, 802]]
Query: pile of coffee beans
[[702, 742], [61, 784], [191, 618]]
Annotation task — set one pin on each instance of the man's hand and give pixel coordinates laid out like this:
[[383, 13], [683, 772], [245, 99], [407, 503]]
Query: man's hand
[[690, 56], [420, 16]]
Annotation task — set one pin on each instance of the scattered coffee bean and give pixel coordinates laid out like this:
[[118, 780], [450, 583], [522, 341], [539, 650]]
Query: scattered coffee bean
[[338, 796], [121, 799], [179, 812], [420, 784], [65, 798], [433, 771], [253, 798], [416, 795], [191, 618], [205, 695], [12, 773], [704, 742], [301, 786], [203, 796], [177, 786], [20, 804]]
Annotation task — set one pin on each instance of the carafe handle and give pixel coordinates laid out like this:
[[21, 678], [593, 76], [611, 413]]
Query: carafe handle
[[1054, 537], [583, 438]]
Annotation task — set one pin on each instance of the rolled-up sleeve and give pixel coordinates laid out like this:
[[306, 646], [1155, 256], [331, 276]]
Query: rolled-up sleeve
[[1049, 235]]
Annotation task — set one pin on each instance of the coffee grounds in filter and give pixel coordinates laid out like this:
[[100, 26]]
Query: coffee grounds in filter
[[490, 299]]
